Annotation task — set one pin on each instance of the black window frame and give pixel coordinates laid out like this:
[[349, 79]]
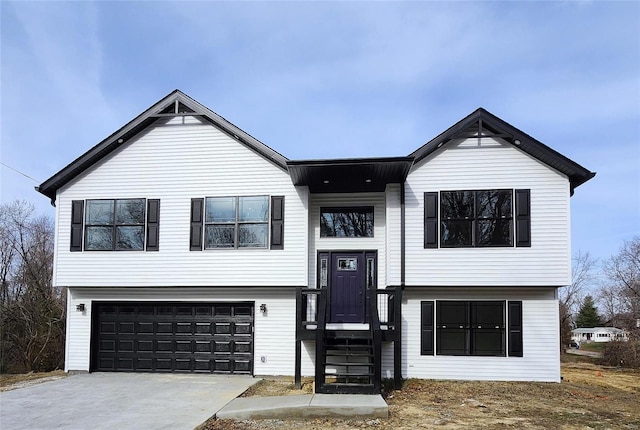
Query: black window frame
[[468, 327], [237, 223], [114, 225], [475, 219], [346, 210]]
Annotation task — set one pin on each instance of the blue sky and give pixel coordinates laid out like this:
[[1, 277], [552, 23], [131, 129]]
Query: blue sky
[[334, 79]]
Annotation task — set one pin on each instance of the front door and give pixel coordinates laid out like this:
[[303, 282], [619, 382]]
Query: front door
[[350, 275], [347, 288]]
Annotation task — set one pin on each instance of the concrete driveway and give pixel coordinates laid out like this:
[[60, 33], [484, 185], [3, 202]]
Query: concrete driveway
[[120, 401]]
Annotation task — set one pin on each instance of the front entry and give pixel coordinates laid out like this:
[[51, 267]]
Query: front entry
[[348, 276]]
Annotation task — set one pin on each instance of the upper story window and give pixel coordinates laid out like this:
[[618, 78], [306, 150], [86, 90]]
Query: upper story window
[[476, 218], [479, 218], [236, 222], [115, 225], [346, 222]]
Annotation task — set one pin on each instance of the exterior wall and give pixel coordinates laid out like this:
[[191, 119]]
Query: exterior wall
[[540, 338], [274, 331], [466, 165], [377, 242], [393, 250], [175, 163]]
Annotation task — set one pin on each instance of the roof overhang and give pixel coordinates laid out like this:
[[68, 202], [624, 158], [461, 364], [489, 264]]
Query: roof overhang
[[174, 104], [350, 175], [484, 122]]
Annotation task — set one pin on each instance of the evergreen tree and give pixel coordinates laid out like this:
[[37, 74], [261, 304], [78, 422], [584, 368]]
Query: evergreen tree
[[588, 314]]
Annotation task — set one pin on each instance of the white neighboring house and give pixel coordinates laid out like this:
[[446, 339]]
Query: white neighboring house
[[598, 334], [187, 245]]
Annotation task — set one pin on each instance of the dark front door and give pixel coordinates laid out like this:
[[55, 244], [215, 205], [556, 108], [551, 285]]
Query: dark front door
[[347, 290]]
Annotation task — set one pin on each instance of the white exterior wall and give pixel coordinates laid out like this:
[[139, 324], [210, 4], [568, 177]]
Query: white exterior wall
[[175, 163], [540, 338], [274, 331], [393, 250], [377, 242], [465, 165]]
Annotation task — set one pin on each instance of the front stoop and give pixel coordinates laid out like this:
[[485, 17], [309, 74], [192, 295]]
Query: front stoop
[[305, 406]]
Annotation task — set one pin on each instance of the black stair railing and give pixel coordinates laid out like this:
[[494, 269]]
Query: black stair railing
[[321, 350], [376, 336]]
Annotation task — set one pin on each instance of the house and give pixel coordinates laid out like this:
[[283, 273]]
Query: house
[[187, 245], [598, 334]]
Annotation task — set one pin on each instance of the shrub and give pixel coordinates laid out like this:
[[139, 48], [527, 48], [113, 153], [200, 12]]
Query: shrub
[[623, 354]]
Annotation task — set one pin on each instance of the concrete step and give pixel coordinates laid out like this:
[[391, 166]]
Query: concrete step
[[307, 405]]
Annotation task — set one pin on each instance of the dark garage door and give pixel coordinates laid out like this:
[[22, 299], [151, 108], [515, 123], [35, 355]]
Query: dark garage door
[[172, 337]]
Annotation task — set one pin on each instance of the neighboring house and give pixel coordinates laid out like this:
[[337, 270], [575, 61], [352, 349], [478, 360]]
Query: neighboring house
[[598, 334], [187, 245]]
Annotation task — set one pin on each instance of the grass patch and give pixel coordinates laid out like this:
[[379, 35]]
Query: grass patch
[[593, 346]]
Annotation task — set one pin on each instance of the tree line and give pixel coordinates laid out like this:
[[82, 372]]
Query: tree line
[[603, 292], [32, 310]]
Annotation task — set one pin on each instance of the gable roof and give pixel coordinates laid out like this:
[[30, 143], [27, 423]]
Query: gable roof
[[177, 103], [481, 122], [174, 104]]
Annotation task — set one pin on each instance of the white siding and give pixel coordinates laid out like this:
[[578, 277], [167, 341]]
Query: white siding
[[468, 166], [377, 242], [274, 335], [175, 163], [393, 251], [541, 357]]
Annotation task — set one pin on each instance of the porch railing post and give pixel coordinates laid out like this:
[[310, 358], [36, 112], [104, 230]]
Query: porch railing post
[[397, 343], [300, 309]]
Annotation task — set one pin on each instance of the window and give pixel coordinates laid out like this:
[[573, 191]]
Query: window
[[236, 222], [476, 328], [470, 328], [117, 224], [476, 218], [346, 222]]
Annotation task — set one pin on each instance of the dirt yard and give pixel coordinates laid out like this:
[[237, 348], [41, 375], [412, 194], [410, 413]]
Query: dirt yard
[[590, 396], [11, 382]]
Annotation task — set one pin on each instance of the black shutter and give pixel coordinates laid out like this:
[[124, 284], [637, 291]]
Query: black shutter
[[153, 224], [430, 220], [426, 328], [523, 218], [197, 209], [515, 328], [277, 222], [77, 215]]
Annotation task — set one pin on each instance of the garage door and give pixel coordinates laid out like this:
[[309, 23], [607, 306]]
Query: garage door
[[172, 337]]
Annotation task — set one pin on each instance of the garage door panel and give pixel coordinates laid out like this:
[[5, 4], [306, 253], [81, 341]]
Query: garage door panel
[[184, 328], [108, 327], [145, 327], [242, 329], [242, 347], [107, 345], [144, 364], [241, 366], [222, 328], [173, 337]]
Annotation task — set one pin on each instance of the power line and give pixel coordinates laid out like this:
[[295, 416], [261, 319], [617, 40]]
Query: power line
[[18, 171]]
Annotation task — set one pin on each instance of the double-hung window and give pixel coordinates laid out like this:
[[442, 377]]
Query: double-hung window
[[114, 225], [236, 222]]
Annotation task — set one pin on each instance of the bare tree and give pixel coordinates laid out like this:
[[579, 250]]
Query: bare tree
[[32, 310], [572, 296], [622, 287]]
